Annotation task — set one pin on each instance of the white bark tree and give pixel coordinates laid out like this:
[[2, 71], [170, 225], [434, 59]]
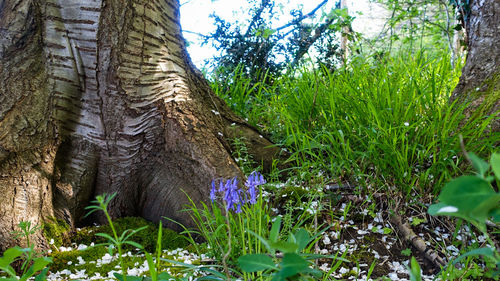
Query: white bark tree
[[100, 96]]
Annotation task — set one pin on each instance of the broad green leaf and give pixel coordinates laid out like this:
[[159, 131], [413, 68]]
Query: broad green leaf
[[285, 247], [255, 262], [479, 164], [164, 276], [42, 276], [441, 209], [495, 213], [495, 164], [292, 264], [10, 255], [38, 264], [466, 193], [483, 210], [302, 238], [275, 230]]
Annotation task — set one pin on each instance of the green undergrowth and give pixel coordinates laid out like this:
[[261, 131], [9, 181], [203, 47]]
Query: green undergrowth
[[147, 237], [387, 123]]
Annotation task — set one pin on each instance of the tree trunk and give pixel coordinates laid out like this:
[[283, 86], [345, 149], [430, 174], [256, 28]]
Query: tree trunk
[[480, 80], [101, 97]]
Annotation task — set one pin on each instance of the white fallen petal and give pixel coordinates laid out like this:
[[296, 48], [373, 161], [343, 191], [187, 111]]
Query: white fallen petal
[[448, 209]]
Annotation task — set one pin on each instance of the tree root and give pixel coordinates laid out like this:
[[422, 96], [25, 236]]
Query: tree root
[[410, 236]]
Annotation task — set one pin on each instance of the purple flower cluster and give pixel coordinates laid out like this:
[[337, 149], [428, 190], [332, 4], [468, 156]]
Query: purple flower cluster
[[254, 179], [235, 197]]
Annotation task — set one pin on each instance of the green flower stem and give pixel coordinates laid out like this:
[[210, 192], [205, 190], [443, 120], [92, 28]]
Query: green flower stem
[[226, 255], [118, 243]]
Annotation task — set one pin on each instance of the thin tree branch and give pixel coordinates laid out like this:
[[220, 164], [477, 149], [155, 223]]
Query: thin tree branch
[[197, 33], [308, 15], [317, 33]]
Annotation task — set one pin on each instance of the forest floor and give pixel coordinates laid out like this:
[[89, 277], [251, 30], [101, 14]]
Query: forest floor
[[371, 237]]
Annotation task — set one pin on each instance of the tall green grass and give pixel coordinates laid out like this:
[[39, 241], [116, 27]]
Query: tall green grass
[[386, 122]]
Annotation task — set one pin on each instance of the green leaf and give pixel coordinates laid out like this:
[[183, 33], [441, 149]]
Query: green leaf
[[495, 164], [292, 264], [275, 230], [285, 247], [135, 244], [255, 262], [488, 252], [152, 268], [129, 277], [495, 213], [479, 164], [38, 264], [42, 276], [302, 238], [164, 276], [406, 252], [107, 236], [466, 193], [10, 255], [415, 271], [387, 230]]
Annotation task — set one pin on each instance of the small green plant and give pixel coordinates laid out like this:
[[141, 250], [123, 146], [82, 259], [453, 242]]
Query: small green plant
[[31, 264], [224, 224], [285, 259], [101, 204], [472, 198], [406, 252], [414, 270]]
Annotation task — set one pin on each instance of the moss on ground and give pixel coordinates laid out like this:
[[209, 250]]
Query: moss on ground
[[147, 237], [69, 260], [56, 229]]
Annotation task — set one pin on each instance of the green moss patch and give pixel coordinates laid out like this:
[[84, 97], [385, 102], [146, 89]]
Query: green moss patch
[[57, 230], [147, 237]]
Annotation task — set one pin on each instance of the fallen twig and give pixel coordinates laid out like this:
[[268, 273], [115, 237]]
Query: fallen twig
[[410, 236]]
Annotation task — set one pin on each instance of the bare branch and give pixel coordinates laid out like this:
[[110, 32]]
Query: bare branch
[[308, 15]]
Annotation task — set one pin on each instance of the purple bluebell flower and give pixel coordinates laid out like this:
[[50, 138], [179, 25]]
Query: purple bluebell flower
[[212, 192], [231, 193], [234, 197], [254, 179]]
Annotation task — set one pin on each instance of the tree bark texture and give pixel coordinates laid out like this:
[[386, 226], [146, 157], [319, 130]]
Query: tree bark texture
[[100, 96], [480, 80]]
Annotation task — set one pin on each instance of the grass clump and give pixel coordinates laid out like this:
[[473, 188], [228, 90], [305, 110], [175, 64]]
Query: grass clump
[[387, 123]]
